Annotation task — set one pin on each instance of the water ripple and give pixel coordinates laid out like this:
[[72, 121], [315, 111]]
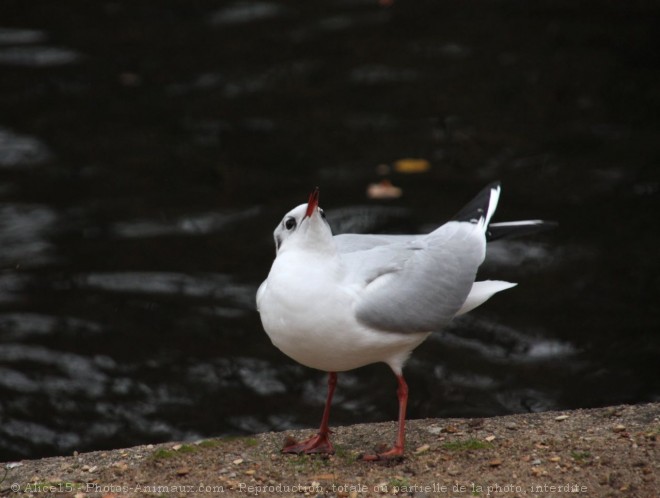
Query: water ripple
[[363, 219], [70, 373], [12, 286], [16, 36], [24, 326], [25, 231], [500, 343], [18, 150], [38, 56], [374, 74], [245, 12], [516, 253], [199, 224], [213, 286]]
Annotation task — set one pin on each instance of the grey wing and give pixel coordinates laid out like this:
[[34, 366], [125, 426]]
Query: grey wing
[[420, 285], [351, 242]]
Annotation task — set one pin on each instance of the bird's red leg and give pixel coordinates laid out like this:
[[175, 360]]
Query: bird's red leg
[[397, 450], [320, 443]]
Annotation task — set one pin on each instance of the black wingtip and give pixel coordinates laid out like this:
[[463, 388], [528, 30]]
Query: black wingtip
[[478, 206], [518, 228]]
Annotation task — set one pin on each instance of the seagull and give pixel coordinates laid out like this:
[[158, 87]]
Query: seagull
[[336, 303]]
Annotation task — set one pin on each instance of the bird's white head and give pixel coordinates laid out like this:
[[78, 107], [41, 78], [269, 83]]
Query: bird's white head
[[304, 227]]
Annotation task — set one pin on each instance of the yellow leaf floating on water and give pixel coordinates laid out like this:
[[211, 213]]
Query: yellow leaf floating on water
[[411, 165]]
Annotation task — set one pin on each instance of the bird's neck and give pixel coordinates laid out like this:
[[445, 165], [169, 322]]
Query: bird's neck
[[298, 276], [314, 250], [314, 241]]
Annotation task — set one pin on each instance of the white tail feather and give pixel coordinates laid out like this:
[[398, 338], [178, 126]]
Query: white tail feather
[[482, 292], [522, 223], [492, 206]]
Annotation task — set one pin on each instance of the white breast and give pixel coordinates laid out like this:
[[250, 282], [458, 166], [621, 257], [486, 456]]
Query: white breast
[[308, 313]]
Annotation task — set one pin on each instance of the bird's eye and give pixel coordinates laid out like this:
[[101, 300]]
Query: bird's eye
[[322, 213], [290, 223]]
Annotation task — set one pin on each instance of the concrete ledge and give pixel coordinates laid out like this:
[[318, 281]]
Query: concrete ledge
[[609, 451]]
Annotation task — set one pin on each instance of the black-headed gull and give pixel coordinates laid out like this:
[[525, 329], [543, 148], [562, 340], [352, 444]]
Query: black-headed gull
[[340, 302]]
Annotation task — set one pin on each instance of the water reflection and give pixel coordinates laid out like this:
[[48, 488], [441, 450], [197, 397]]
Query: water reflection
[[17, 36], [11, 287], [197, 224], [17, 150], [216, 287], [494, 342], [514, 254], [21, 49], [25, 232], [24, 327], [244, 12], [373, 75], [38, 56]]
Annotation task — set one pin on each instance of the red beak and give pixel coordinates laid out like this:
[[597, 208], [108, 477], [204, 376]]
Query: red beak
[[313, 202]]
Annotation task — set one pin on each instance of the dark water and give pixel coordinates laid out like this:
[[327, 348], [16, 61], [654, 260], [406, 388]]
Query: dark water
[[147, 150]]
